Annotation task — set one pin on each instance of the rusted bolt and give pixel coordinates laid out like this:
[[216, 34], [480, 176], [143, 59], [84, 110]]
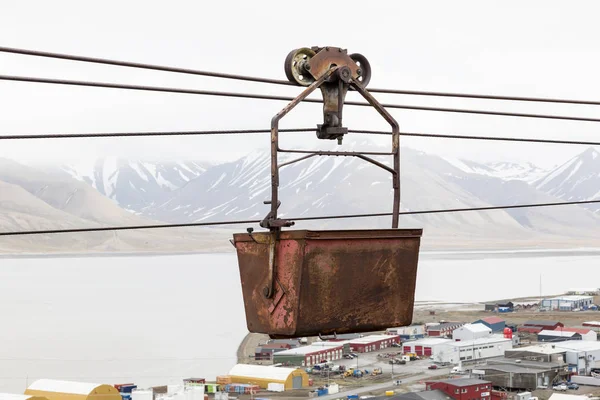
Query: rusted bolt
[[266, 292], [307, 66], [359, 71]]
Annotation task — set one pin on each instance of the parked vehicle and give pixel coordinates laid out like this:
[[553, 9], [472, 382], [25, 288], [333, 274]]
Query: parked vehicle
[[560, 388], [348, 356], [432, 366], [397, 382], [457, 371], [573, 386]]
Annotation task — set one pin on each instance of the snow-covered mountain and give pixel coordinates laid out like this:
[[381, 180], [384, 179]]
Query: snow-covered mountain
[[337, 185], [134, 185], [506, 170], [576, 180]]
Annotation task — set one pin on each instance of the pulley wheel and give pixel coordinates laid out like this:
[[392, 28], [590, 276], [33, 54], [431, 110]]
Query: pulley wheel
[[365, 68], [295, 66]]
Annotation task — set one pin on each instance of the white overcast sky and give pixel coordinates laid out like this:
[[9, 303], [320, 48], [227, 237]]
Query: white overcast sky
[[534, 48]]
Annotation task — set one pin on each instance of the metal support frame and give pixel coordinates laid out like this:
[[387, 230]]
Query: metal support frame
[[271, 221]]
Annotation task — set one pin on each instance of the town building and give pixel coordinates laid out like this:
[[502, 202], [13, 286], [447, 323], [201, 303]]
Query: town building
[[508, 305], [586, 333], [496, 324], [265, 351], [262, 375], [517, 374], [463, 388], [307, 356], [536, 326], [584, 292], [471, 332], [372, 343], [443, 329], [424, 347], [582, 356], [567, 303], [411, 332], [469, 350], [557, 335], [60, 390], [541, 353], [424, 395]]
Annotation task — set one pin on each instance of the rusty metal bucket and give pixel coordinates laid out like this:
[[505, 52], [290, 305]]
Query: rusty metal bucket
[[325, 282]]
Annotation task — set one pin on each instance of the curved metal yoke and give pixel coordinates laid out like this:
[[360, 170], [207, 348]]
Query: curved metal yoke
[[329, 57]]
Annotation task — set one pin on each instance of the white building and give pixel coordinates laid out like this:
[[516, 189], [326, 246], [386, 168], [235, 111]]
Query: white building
[[407, 332], [581, 354], [584, 291], [567, 303], [471, 332], [468, 350], [427, 347]]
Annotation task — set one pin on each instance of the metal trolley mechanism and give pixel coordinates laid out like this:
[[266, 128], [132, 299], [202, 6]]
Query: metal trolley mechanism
[[278, 297]]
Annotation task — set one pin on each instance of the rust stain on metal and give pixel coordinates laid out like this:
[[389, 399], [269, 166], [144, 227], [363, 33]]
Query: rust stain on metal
[[330, 281]]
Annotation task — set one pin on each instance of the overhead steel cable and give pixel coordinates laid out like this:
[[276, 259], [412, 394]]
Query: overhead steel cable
[[283, 98], [189, 71], [154, 67], [243, 222], [484, 96], [294, 130], [137, 134]]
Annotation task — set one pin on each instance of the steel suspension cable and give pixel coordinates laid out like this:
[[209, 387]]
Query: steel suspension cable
[[294, 130], [283, 98], [222, 75], [242, 222]]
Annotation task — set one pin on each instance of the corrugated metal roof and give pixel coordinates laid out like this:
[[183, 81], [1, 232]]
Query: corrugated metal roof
[[581, 331], [262, 371], [557, 333], [462, 382], [534, 322], [560, 396], [492, 320], [300, 351], [474, 342], [475, 328], [370, 339], [592, 323], [51, 385]]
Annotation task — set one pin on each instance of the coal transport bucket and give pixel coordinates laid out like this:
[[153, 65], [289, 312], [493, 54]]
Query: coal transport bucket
[[325, 282]]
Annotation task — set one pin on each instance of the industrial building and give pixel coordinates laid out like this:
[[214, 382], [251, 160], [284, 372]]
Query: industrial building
[[65, 390], [266, 351], [424, 347], [581, 355], [463, 388], [411, 332], [536, 326], [541, 353], [307, 356], [455, 352], [586, 334], [567, 303], [471, 332], [516, 374], [496, 324], [584, 292], [443, 329], [508, 306], [372, 343], [557, 335], [261, 376]]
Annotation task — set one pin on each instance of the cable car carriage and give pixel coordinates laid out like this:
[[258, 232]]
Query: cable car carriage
[[298, 283]]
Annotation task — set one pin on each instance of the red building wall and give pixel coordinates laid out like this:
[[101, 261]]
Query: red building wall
[[377, 345], [471, 392]]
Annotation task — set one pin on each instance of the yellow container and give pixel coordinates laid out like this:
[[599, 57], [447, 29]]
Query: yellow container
[[389, 393]]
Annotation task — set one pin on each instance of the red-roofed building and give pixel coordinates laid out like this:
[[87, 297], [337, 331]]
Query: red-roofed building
[[536, 326], [586, 334], [496, 324]]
